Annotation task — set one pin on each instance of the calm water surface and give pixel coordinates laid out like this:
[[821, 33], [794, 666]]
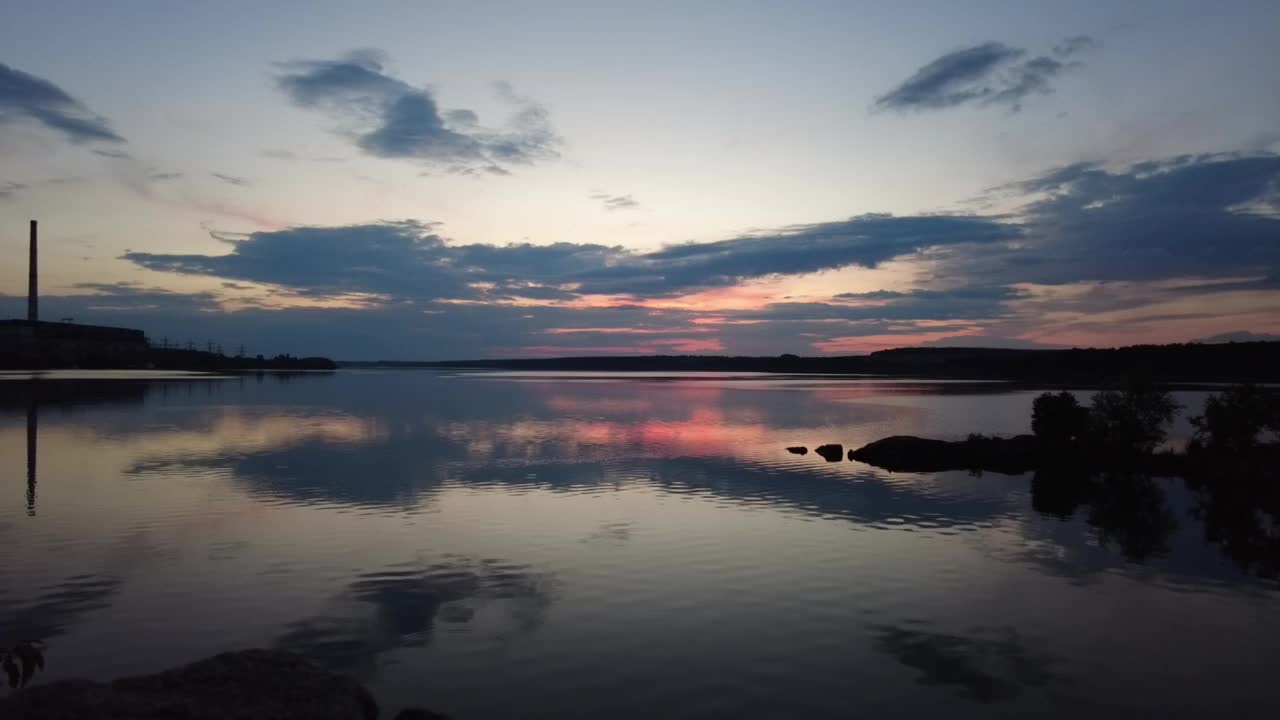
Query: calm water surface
[[530, 545]]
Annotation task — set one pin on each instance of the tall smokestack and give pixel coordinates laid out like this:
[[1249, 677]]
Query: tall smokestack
[[33, 291]]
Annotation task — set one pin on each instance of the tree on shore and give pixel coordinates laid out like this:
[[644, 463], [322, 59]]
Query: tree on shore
[[1117, 423], [1130, 422], [1059, 420], [1235, 419]]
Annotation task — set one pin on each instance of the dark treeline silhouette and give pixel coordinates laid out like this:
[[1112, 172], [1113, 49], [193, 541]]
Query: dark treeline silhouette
[[160, 359], [1189, 362], [1102, 460], [1117, 428], [36, 345], [1120, 430], [179, 359]]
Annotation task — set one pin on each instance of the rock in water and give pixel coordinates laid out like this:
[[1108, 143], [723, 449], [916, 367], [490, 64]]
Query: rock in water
[[245, 685], [798, 450], [906, 453], [831, 453]]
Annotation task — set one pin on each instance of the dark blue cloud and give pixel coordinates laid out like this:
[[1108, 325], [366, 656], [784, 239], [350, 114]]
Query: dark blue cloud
[[398, 259], [522, 261], [407, 260], [11, 189], [889, 306], [23, 95], [952, 79], [231, 179], [988, 74], [1029, 78], [387, 117], [1205, 215], [866, 241], [615, 202], [1074, 45]]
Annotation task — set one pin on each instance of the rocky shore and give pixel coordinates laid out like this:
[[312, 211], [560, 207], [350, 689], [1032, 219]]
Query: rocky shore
[[1026, 453], [246, 685]]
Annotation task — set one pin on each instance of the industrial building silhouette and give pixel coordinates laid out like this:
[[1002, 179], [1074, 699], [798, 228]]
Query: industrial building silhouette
[[33, 343]]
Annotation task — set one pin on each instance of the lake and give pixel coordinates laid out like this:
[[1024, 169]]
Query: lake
[[501, 545]]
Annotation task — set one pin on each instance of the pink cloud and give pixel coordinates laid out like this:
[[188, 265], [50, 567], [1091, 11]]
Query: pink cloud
[[626, 331]]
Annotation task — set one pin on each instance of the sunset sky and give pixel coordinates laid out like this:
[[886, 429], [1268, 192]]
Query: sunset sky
[[469, 180]]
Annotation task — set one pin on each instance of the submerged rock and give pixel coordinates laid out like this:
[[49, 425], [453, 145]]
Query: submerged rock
[[798, 450], [233, 686], [907, 453], [833, 452]]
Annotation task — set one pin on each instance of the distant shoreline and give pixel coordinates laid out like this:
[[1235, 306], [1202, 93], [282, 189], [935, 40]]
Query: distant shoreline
[[1257, 362]]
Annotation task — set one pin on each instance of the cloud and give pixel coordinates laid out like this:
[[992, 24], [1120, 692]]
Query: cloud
[[615, 202], [386, 117], [231, 179], [988, 74], [473, 171], [9, 189], [1074, 45], [1205, 215], [400, 259], [23, 95], [1158, 251], [133, 298], [407, 259], [865, 241]]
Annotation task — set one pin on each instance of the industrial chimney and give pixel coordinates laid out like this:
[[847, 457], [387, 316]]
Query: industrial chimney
[[33, 292]]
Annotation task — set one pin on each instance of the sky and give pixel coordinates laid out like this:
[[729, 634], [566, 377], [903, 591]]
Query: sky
[[391, 180]]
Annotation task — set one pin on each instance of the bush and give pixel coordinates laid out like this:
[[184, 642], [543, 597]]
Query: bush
[[1131, 422], [1059, 419], [1233, 419]]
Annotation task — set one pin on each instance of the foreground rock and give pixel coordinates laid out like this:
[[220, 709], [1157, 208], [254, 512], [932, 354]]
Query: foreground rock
[[1025, 453], [233, 686], [907, 453], [798, 450], [831, 453]]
